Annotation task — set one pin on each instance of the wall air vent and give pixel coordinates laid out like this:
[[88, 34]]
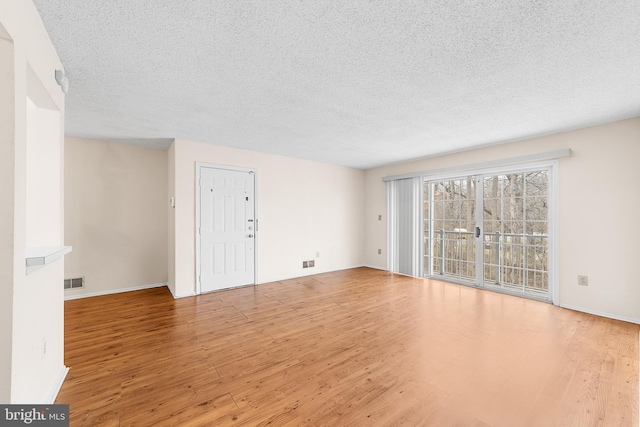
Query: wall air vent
[[74, 283]]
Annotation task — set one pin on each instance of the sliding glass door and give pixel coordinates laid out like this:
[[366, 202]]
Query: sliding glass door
[[450, 221], [489, 230], [516, 239]]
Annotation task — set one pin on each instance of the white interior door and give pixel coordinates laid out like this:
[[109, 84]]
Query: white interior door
[[227, 228]]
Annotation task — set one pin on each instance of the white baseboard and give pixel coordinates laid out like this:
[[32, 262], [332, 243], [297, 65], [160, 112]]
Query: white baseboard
[[51, 398], [375, 268], [602, 314], [180, 296], [171, 291], [114, 291]]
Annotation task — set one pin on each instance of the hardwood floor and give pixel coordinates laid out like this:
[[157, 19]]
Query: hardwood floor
[[358, 347]]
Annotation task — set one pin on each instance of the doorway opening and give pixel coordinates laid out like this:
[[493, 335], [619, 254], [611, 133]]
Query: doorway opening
[[490, 230]]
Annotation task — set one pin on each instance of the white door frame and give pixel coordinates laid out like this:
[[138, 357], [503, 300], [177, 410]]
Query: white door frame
[[199, 167], [553, 218]]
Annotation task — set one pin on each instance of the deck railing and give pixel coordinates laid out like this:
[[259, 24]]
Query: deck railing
[[511, 260]]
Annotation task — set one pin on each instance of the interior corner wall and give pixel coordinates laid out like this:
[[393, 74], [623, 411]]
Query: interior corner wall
[[7, 178], [43, 195], [171, 216], [115, 216], [599, 203], [304, 208], [35, 316]]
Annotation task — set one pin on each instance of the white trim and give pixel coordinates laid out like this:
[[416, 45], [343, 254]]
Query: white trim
[[552, 166], [51, 398], [115, 291], [418, 268], [601, 313], [39, 257], [478, 223], [390, 221], [491, 164], [171, 291], [317, 273], [374, 267], [182, 296], [516, 168], [407, 275], [199, 166], [554, 233]]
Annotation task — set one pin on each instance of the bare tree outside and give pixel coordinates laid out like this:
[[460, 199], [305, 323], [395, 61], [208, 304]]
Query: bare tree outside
[[515, 229]]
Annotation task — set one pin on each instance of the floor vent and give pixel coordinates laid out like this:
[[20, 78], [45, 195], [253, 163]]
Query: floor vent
[[74, 283]]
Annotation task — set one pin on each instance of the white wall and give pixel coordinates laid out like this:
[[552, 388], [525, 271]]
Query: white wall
[[115, 215], [305, 207], [33, 328], [7, 188], [599, 203], [39, 347], [171, 219], [44, 194]]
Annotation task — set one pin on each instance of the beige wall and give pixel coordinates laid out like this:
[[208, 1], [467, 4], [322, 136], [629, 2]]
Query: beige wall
[[31, 337], [304, 208], [171, 218], [115, 216], [599, 202], [43, 193], [7, 188]]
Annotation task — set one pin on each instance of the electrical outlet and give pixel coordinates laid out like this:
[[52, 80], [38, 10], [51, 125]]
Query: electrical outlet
[[305, 264], [583, 280], [312, 263], [379, 251], [379, 217]]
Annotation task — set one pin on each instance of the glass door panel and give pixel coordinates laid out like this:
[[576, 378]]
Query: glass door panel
[[426, 219], [515, 231], [450, 211], [512, 251]]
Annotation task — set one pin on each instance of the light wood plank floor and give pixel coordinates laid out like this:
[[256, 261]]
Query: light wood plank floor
[[359, 347]]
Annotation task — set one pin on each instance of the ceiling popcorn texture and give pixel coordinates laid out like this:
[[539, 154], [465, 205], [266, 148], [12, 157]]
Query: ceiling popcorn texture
[[359, 83]]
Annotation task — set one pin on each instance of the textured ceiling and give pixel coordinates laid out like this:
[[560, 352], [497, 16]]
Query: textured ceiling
[[356, 82]]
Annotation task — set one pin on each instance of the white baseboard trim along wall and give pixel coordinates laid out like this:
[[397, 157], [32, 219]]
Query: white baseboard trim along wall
[[601, 314], [115, 291], [51, 399]]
